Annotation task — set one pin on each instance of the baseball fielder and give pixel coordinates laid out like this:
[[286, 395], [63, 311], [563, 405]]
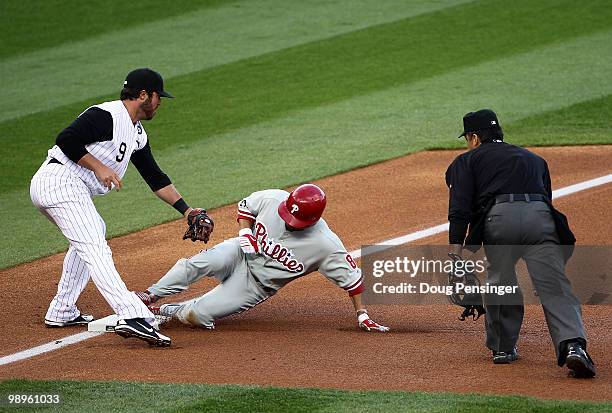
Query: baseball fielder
[[90, 158], [281, 238]]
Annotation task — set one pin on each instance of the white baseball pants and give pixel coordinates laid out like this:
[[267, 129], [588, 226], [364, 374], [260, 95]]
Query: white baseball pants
[[66, 201]]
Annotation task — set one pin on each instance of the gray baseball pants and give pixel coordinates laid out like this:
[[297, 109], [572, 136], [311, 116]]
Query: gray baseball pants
[[526, 230], [237, 291]]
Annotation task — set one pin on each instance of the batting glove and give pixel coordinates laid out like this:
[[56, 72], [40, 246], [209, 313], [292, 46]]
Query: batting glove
[[248, 243], [367, 324], [146, 297]]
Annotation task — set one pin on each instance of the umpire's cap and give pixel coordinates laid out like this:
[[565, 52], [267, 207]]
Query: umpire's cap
[[146, 79], [479, 120]]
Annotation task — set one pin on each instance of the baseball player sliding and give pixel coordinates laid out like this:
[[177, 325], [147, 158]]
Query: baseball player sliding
[[90, 158], [281, 238]]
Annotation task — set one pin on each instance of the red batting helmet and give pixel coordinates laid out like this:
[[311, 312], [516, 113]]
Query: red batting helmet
[[304, 206]]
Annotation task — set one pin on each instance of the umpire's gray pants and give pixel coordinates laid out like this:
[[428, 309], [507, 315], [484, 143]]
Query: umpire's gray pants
[[527, 230], [238, 291]]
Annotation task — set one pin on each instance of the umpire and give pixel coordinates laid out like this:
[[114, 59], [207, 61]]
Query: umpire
[[503, 194]]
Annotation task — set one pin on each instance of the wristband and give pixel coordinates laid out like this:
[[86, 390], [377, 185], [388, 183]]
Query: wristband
[[181, 206], [245, 231], [362, 317]]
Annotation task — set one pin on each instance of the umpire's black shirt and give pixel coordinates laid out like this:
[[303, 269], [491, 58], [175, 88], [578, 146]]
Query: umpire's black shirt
[[491, 169]]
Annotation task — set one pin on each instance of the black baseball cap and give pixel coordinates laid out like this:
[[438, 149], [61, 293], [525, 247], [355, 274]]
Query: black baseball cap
[[146, 79], [479, 120]]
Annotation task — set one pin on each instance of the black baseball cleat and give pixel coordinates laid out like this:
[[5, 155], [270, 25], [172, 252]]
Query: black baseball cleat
[[505, 357], [139, 328], [579, 362], [82, 319]]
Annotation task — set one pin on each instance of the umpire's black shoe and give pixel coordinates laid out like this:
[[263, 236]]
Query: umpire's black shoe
[[505, 357], [82, 319], [579, 362], [139, 328]]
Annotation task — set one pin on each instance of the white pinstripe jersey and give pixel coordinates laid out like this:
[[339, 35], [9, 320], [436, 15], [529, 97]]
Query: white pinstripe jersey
[[286, 255], [115, 153]]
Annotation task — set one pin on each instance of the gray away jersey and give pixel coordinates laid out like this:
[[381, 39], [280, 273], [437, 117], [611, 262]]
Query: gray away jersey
[[115, 153], [286, 255]]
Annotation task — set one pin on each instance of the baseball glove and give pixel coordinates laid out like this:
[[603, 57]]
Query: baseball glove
[[200, 225], [471, 302]]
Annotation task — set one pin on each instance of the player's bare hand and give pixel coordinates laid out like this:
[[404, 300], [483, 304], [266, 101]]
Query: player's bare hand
[[367, 324], [108, 177], [248, 242]]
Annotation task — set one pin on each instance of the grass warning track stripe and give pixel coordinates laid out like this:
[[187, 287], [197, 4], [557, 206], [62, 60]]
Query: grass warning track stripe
[[77, 338]]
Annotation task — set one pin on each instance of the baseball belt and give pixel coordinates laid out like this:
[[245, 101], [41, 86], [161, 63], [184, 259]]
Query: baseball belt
[[520, 197]]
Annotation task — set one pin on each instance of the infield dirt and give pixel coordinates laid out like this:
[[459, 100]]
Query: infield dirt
[[306, 335]]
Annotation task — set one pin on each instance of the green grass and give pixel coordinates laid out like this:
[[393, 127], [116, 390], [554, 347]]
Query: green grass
[[60, 21], [588, 122], [203, 38], [136, 397], [347, 94]]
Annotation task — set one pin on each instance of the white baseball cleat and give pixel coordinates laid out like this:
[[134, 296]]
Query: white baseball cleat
[[165, 310]]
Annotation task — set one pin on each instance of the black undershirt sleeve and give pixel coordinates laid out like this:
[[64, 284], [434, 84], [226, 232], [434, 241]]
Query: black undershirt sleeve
[[149, 170], [94, 125], [460, 181]]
